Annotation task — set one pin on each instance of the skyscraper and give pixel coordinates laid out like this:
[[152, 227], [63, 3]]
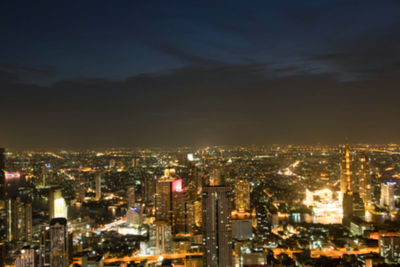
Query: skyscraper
[[18, 220], [130, 196], [364, 179], [57, 206], [242, 196], [216, 227], [164, 199], [387, 195], [98, 186], [58, 242]]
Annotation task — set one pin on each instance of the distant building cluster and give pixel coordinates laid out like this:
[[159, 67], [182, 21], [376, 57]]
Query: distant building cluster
[[215, 206]]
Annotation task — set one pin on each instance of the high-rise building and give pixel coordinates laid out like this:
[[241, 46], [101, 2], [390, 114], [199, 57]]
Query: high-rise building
[[57, 206], [216, 228], [242, 196], [130, 196], [364, 178], [45, 242], [80, 188], [164, 200], [387, 195], [180, 208], [389, 248], [27, 258], [18, 220], [58, 243], [98, 186], [345, 171]]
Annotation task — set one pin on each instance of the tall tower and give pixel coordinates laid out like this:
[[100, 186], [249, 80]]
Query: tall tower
[[58, 242], [216, 227], [345, 172], [345, 182]]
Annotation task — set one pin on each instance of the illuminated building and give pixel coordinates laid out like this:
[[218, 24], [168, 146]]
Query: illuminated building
[[180, 208], [242, 196], [163, 208], [80, 188], [164, 197], [98, 186], [58, 242], [130, 195], [57, 205], [18, 220], [389, 248], [216, 228], [326, 206], [133, 217], [365, 189], [347, 185], [27, 258], [45, 248], [197, 210], [149, 189], [387, 195]]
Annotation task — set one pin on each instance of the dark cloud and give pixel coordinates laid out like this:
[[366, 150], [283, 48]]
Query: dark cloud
[[223, 104], [13, 67]]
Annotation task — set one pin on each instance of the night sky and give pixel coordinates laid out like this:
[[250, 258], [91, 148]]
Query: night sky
[[91, 74]]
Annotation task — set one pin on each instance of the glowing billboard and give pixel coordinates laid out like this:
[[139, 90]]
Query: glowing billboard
[[177, 186]]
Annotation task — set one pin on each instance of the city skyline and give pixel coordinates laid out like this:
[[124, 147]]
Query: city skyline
[[150, 74]]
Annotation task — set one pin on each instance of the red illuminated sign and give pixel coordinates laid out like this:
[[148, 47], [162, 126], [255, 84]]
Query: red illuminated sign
[[177, 186]]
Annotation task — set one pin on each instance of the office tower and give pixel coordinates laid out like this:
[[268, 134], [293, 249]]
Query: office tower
[[130, 196], [387, 195], [18, 220], [80, 188], [242, 196], [164, 199], [58, 242], [149, 188], [163, 208], [389, 248], [180, 208], [27, 258], [98, 186], [216, 228], [365, 187], [57, 206]]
